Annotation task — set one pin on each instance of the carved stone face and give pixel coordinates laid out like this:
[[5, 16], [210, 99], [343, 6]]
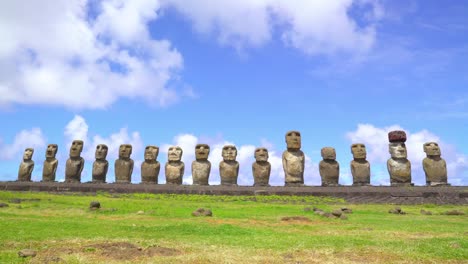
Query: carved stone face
[[328, 153], [432, 149], [293, 140], [51, 150], [359, 151], [174, 153], [28, 153], [397, 150], [261, 154], [229, 153], [76, 148], [202, 151], [125, 150], [101, 152], [151, 153]]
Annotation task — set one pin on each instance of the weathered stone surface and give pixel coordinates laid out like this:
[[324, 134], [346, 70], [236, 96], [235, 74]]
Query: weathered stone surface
[[343, 217], [75, 163], [94, 205], [201, 167], [396, 210], [24, 253], [337, 213], [261, 168], [229, 167], [398, 166], [293, 160], [397, 136], [50, 164], [424, 212], [202, 212], [329, 168], [434, 166], [174, 166], [150, 167], [360, 167], [346, 210], [123, 166], [100, 165], [26, 166]]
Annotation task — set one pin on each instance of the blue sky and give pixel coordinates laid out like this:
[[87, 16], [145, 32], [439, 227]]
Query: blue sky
[[173, 72]]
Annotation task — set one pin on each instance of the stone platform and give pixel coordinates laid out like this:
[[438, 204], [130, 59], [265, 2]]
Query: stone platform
[[357, 195]]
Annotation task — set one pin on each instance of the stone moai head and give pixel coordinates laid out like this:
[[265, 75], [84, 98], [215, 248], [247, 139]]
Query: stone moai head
[[76, 148], [174, 153], [328, 153], [397, 147], [432, 149], [202, 151], [125, 150], [28, 153], [229, 153], [51, 150], [151, 153], [261, 154], [293, 140], [359, 151], [101, 152]]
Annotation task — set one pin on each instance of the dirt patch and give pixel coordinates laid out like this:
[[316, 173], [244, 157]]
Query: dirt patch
[[295, 219], [119, 251]]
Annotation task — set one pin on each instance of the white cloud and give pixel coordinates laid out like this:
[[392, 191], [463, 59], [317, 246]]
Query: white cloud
[[55, 54], [376, 141], [314, 27], [24, 139]]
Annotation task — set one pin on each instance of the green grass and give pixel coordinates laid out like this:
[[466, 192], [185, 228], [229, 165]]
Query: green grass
[[243, 229]]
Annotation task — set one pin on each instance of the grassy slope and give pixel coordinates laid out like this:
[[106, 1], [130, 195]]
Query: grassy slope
[[242, 230]]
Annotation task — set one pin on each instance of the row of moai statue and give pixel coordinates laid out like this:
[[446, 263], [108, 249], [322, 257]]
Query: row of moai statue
[[399, 167]]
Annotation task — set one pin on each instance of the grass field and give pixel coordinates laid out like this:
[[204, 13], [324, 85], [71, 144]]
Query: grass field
[[149, 228]]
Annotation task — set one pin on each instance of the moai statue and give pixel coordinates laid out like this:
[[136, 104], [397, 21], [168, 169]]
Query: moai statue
[[434, 166], [329, 168], [175, 167], [293, 160], [150, 167], [399, 167], [261, 168], [360, 167], [26, 166], [100, 165], [123, 166], [201, 166], [229, 167], [75, 163], [50, 164]]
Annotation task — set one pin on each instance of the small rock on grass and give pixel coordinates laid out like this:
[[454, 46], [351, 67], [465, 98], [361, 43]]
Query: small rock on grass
[[3, 205], [396, 210], [337, 213], [453, 212], [202, 212], [94, 205], [24, 253], [140, 212], [424, 212]]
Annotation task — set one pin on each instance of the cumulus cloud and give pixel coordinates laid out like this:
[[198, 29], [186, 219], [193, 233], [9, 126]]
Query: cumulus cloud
[[314, 27], [376, 141], [32, 138], [245, 157], [63, 53]]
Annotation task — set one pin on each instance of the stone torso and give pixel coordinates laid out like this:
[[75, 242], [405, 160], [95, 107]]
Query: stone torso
[[73, 169], [201, 172], [329, 171], [49, 169], [150, 171], [360, 172], [293, 165], [174, 172], [25, 170], [100, 168], [400, 171], [123, 170], [261, 173], [435, 170], [228, 171]]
